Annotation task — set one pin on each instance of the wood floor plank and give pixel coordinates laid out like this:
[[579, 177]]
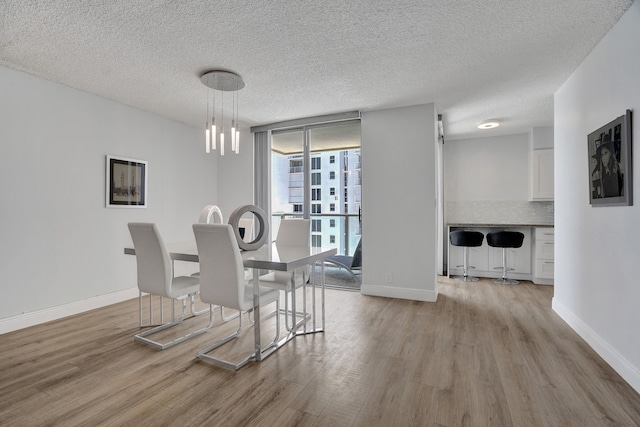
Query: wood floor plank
[[344, 406], [415, 406], [380, 406], [483, 354], [291, 417]]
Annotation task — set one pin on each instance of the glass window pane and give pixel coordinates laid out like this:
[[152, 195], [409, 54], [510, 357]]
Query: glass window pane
[[287, 177]]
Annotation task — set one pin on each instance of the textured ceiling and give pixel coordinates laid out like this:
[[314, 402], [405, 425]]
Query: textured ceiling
[[475, 59]]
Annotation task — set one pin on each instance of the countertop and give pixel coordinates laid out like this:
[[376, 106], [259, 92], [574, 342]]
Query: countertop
[[456, 224]]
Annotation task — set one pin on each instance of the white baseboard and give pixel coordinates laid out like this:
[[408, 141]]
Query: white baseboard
[[622, 366], [9, 324], [539, 281], [396, 292]]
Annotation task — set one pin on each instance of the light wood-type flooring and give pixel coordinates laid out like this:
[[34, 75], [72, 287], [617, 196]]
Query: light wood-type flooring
[[484, 354]]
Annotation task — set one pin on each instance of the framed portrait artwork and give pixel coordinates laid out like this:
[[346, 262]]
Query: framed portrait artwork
[[126, 183], [610, 166]]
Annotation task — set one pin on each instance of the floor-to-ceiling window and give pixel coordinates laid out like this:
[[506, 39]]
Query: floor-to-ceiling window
[[316, 174]]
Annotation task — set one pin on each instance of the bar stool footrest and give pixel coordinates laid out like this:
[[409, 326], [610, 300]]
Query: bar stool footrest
[[465, 278], [505, 281], [502, 268]]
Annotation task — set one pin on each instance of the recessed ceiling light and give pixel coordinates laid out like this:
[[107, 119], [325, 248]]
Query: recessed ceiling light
[[489, 124]]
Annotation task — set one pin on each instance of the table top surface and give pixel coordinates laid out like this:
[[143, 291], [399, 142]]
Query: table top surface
[[269, 257]]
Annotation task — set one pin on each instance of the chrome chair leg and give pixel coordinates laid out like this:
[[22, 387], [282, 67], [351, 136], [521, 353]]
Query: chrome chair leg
[[303, 314], [195, 312], [151, 322], [287, 312], [142, 336], [202, 354], [226, 319]]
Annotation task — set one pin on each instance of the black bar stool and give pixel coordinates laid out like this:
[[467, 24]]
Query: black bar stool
[[504, 240], [466, 239]]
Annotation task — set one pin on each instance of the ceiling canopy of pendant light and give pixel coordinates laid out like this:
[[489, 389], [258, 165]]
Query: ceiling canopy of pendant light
[[224, 81]]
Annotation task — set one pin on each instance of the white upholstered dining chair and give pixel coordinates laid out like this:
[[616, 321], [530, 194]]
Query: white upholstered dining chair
[[211, 214], [222, 283], [155, 277]]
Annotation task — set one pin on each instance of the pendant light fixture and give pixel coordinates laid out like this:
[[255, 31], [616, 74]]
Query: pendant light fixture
[[222, 81]]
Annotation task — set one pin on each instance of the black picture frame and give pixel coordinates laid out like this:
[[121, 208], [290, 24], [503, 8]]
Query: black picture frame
[[126, 183], [610, 165]]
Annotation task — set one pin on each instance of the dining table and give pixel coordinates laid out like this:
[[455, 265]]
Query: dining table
[[278, 258]]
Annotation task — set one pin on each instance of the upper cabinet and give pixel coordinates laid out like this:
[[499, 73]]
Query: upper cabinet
[[542, 174], [541, 164]]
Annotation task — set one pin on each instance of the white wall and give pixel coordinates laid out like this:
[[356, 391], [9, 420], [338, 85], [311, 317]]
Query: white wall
[[235, 176], [490, 168], [398, 203], [59, 245], [596, 280]]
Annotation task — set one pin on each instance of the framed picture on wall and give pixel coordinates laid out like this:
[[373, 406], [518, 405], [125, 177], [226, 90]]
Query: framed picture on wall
[[610, 166], [126, 183]]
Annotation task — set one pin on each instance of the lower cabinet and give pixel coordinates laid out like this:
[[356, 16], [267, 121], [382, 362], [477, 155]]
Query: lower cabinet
[[544, 250], [488, 261]]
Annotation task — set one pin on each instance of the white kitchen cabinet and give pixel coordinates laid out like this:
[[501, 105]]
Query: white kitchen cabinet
[[485, 258], [544, 250], [541, 175]]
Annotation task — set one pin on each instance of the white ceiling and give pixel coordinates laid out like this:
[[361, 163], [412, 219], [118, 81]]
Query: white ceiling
[[475, 59]]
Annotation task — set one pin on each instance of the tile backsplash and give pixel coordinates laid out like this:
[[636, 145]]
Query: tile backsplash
[[499, 212]]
